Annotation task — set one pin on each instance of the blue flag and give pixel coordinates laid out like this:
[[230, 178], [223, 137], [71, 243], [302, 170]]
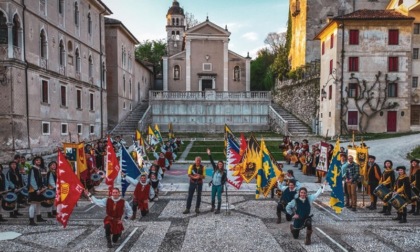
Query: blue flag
[[335, 180], [129, 167]]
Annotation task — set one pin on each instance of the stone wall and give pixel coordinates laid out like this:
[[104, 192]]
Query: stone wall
[[301, 98]]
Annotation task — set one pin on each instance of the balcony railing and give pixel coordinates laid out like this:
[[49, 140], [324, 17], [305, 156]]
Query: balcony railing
[[209, 95]]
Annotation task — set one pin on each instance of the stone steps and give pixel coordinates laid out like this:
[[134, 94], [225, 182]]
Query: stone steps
[[129, 125], [296, 126]]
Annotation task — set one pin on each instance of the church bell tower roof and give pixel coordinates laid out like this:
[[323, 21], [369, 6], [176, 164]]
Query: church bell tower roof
[[175, 9]]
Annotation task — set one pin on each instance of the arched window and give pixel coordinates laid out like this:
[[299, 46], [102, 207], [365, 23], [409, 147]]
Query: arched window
[[43, 42], [3, 29], [173, 21], [77, 54], [124, 85], [130, 89], [236, 73], [16, 28], [62, 53], [177, 21], [173, 35], [90, 66], [60, 6], [89, 24], [177, 72], [76, 14], [177, 35]]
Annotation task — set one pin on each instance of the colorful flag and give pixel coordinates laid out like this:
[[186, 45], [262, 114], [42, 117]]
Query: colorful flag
[[335, 180], [233, 164], [268, 173], [229, 135], [157, 134], [171, 134], [361, 158], [243, 145], [129, 167], [153, 139], [252, 160], [75, 153], [68, 189], [113, 165]]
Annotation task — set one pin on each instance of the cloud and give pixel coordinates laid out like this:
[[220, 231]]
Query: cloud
[[251, 36]]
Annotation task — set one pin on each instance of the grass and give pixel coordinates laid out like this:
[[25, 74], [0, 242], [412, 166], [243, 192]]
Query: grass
[[221, 135], [414, 154]]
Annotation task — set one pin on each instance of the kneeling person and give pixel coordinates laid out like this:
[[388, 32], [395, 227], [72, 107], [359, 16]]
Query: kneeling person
[[141, 194], [288, 194]]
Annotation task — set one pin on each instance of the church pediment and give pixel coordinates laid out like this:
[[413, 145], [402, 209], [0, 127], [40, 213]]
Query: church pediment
[[207, 28]]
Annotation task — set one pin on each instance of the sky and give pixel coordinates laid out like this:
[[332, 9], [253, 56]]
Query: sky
[[249, 21]]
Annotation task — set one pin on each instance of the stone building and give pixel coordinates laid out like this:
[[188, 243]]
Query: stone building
[[52, 56], [308, 17], [367, 88], [199, 57], [129, 80]]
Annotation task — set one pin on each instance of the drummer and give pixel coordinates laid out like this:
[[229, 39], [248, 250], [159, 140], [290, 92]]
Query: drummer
[[36, 189], [415, 183], [403, 189], [51, 184], [388, 180], [15, 184], [2, 189]]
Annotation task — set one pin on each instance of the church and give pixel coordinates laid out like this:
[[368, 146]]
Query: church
[[198, 58]]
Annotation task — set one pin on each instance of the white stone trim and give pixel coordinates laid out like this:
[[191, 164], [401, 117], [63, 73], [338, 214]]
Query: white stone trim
[[225, 66], [188, 66], [165, 73]]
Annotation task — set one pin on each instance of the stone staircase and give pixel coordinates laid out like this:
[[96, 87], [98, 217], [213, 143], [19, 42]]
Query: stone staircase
[[296, 127], [128, 126]]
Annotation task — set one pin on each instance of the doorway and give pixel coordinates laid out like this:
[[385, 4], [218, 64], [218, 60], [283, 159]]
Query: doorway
[[392, 121]]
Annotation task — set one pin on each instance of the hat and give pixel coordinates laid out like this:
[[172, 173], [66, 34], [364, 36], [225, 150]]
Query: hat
[[414, 160], [400, 168], [343, 154], [372, 156], [388, 161]]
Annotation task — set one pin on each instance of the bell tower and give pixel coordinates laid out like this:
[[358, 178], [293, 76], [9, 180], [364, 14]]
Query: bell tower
[[175, 28]]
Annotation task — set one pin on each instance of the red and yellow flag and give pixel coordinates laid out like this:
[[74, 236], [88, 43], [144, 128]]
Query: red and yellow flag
[[75, 154], [68, 189], [113, 165]]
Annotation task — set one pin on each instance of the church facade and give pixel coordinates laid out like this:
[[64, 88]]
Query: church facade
[[198, 58]]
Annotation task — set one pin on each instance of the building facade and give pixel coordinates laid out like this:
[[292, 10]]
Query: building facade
[[129, 79], [52, 73], [199, 57], [366, 70]]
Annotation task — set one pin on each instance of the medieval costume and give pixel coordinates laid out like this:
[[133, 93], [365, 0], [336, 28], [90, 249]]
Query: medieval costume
[[52, 184], [373, 177], [289, 193], [402, 188], [141, 194], [388, 180], [35, 189], [2, 189], [415, 184], [15, 184]]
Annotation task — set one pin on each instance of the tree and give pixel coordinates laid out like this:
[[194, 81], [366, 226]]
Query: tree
[[190, 20], [262, 78], [152, 51], [275, 41]]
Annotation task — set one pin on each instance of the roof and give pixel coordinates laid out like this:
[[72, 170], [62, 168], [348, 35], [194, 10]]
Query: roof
[[112, 21], [374, 15], [175, 9]]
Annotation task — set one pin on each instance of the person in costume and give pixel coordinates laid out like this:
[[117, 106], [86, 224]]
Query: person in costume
[[388, 180], [351, 175], [35, 188], [116, 207], [403, 188], [2, 190], [196, 174], [141, 194], [415, 183], [217, 183], [300, 209], [161, 161], [52, 184], [155, 186], [14, 184], [373, 177], [289, 192]]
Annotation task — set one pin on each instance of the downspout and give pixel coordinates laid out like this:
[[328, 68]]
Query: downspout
[[26, 74], [101, 74], [342, 77]]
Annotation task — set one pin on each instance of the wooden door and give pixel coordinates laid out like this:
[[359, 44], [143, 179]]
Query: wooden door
[[392, 121]]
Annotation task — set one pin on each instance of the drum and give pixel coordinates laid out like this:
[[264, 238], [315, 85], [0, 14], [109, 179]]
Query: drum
[[383, 192], [23, 196], [97, 178], [398, 202], [49, 197], [415, 194], [9, 202]]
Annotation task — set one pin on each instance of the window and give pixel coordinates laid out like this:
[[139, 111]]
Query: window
[[392, 89], [76, 14], [353, 90], [60, 6], [332, 41], [323, 47], [207, 67], [329, 92], [415, 82], [236, 73], [353, 64], [416, 29], [393, 37], [45, 128], [3, 29], [131, 107], [130, 89], [415, 53], [64, 129], [124, 85], [15, 30], [354, 37], [43, 40], [62, 53], [78, 98], [124, 107], [92, 129], [79, 129], [89, 24], [176, 72], [63, 96], [331, 66], [91, 102], [393, 64], [77, 54], [90, 66], [352, 118], [44, 91]]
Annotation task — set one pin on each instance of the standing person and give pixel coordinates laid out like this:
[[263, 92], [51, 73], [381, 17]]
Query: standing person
[[15, 184], [289, 192], [141, 194], [373, 177], [35, 189], [343, 161], [414, 180], [218, 182], [402, 187], [2, 189], [196, 173], [351, 174], [52, 184], [388, 180], [115, 207], [300, 209]]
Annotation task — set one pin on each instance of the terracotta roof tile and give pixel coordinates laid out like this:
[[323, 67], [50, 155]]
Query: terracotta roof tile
[[373, 14]]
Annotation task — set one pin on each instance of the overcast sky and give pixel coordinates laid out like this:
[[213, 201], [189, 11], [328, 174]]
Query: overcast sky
[[249, 21]]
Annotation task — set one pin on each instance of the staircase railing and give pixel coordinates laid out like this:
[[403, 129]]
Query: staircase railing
[[145, 119], [126, 117], [279, 121]]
